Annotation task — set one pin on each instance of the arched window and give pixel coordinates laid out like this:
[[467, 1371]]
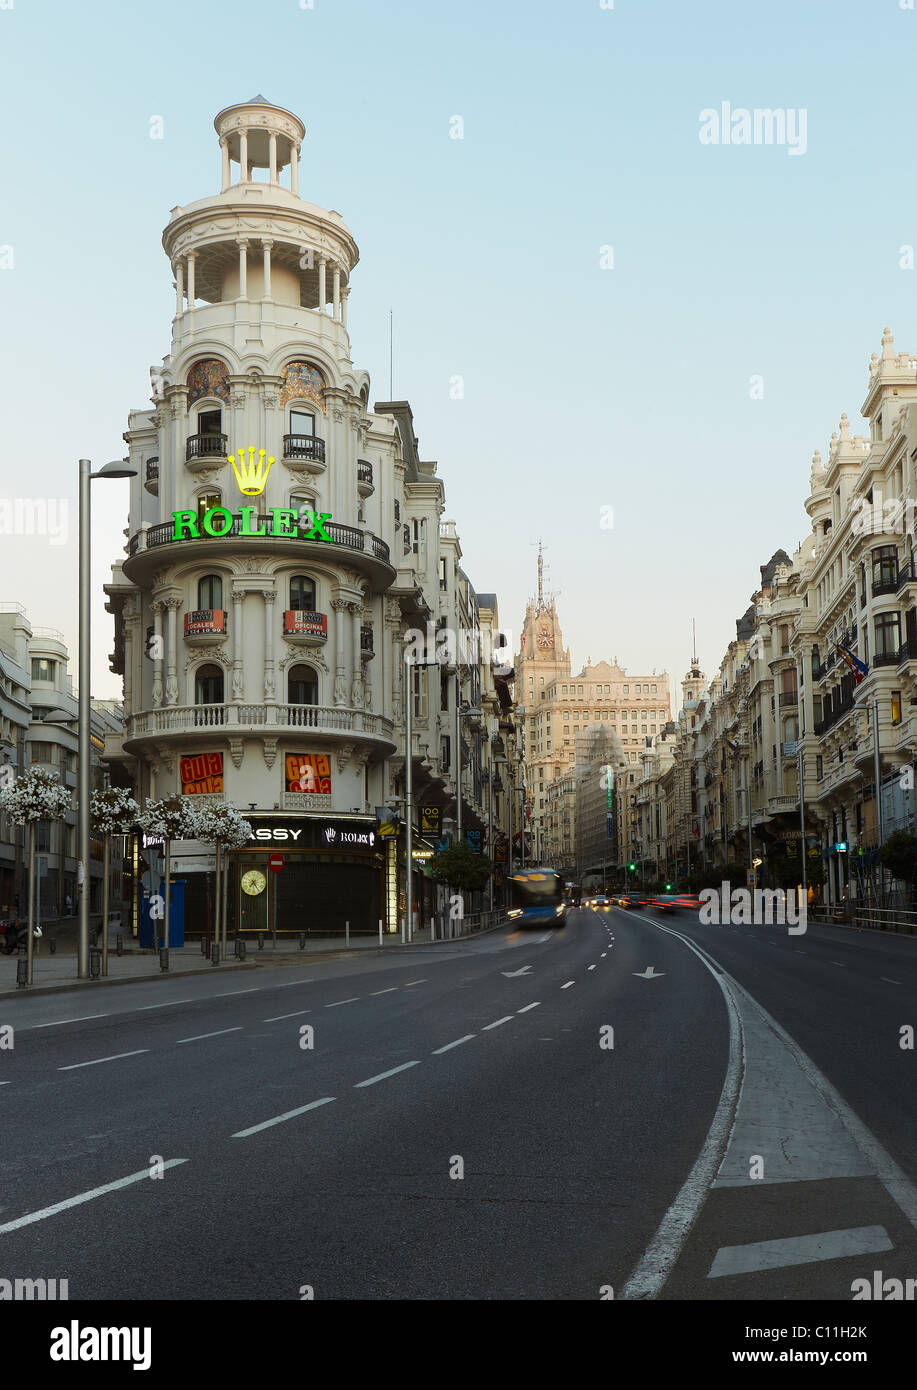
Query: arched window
[[207, 500], [210, 592], [302, 597], [302, 686], [208, 686]]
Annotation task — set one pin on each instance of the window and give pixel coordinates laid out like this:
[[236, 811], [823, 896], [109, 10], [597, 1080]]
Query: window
[[445, 751], [301, 423], [43, 837], [208, 686], [653, 691], [210, 592], [42, 752], [885, 565], [205, 501], [302, 598], [42, 669], [563, 690], [302, 686], [419, 691], [210, 422], [896, 706], [302, 506], [626, 689], [887, 634]]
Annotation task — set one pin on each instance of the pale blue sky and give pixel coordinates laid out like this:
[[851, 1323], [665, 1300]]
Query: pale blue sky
[[584, 387]]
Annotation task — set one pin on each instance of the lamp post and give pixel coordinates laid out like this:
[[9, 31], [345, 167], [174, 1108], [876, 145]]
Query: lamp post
[[119, 468]]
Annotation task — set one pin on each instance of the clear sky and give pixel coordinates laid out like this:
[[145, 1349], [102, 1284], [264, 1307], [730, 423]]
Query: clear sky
[[586, 387]]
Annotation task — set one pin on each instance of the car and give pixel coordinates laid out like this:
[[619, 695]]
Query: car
[[601, 902], [632, 900]]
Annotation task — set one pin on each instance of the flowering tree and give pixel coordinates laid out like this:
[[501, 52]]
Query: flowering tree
[[222, 824], [112, 811], [174, 818], [37, 795]]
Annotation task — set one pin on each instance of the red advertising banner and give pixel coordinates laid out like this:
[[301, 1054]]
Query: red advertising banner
[[299, 620], [308, 772], [202, 773], [204, 620]]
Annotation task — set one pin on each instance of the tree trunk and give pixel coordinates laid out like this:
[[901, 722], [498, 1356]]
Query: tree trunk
[[105, 868], [31, 899], [166, 894]]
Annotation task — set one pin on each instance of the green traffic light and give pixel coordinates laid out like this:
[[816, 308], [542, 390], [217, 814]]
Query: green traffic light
[[668, 888]]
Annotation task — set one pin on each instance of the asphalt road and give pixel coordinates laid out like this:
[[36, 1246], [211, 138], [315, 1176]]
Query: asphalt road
[[461, 1124]]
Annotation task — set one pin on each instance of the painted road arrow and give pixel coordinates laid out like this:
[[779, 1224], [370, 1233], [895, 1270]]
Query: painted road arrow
[[649, 973], [511, 974]]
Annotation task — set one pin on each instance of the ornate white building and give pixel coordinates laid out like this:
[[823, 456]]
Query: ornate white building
[[282, 538]]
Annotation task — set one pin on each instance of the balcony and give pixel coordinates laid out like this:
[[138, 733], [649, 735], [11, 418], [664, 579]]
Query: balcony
[[886, 585], [789, 699], [779, 805], [202, 449], [305, 627], [886, 658], [338, 724], [205, 627], [906, 576], [367, 650], [907, 651], [364, 477], [151, 479], [304, 451]]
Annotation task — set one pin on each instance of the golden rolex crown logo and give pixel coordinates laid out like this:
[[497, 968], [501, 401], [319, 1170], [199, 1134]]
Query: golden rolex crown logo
[[251, 476]]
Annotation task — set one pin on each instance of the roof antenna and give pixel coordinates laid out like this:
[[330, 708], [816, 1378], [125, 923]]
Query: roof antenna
[[391, 376], [693, 643]]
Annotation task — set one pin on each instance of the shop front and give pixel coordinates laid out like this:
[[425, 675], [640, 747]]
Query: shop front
[[329, 872]]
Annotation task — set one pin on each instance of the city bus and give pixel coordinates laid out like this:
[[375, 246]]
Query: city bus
[[538, 898]]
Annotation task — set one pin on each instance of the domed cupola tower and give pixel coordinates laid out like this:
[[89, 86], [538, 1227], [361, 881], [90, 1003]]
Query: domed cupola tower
[[256, 654]]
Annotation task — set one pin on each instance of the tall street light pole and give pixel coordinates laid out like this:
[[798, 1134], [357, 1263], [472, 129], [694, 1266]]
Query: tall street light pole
[[117, 469]]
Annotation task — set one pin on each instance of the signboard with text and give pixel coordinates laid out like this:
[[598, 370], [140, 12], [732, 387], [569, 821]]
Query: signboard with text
[[308, 772], [430, 820], [201, 774]]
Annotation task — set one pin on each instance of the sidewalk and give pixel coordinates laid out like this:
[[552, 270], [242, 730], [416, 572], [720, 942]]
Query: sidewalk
[[54, 973]]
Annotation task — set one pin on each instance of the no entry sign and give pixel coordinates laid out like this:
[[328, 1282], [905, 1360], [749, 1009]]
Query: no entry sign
[[275, 862]]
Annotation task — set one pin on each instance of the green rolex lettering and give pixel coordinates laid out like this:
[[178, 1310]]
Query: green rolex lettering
[[218, 521], [183, 520], [281, 520], [318, 532], [246, 528]]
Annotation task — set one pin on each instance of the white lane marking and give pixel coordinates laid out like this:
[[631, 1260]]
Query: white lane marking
[[568, 984], [529, 1006], [799, 1250], [218, 1034], [287, 1115], [457, 1043], [57, 1022], [96, 1060], [590, 967], [278, 1017], [229, 993], [337, 1003], [888, 981], [507, 1019], [840, 963], [287, 984], [86, 1196], [657, 1260], [145, 1007], [371, 1080], [547, 937], [391, 989], [604, 954], [408, 983]]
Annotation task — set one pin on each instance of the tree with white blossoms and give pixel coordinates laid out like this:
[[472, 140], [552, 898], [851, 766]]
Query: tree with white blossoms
[[34, 796], [223, 825], [112, 811], [174, 818]]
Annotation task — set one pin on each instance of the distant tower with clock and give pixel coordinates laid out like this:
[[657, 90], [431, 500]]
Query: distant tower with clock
[[541, 659]]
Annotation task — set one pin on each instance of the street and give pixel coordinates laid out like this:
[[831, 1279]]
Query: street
[[460, 1123]]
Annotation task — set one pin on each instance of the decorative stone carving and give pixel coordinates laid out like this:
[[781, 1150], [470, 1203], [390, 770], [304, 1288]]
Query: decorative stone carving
[[356, 692], [167, 756], [236, 751], [171, 690], [269, 686], [342, 754], [238, 683], [339, 693], [270, 752]]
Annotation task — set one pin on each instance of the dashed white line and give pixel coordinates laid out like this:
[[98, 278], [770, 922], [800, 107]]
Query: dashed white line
[[96, 1060], [371, 1080], [568, 984], [888, 981], [287, 1115], [799, 1250], [59, 1021], [218, 1034], [87, 1196], [229, 993], [278, 1017], [165, 1005], [337, 1003], [590, 967], [457, 1043], [287, 984], [507, 1019], [408, 983], [604, 954], [529, 1006], [391, 989], [840, 963]]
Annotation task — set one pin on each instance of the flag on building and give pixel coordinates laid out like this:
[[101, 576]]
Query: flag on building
[[858, 667]]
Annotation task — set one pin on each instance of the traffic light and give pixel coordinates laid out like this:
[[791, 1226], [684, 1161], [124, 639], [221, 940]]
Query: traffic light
[[668, 888], [632, 867]]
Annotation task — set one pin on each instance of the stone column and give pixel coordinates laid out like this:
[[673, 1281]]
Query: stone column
[[157, 608], [322, 286], [243, 267], [294, 169], [178, 270], [227, 172], [393, 627], [172, 605], [266, 245], [270, 692], [336, 293], [356, 682], [340, 674], [243, 157], [238, 678], [272, 155], [345, 295], [192, 257]]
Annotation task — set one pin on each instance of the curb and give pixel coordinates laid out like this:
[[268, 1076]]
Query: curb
[[30, 991]]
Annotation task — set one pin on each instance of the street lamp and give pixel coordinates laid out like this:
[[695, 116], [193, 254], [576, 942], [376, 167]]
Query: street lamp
[[118, 468]]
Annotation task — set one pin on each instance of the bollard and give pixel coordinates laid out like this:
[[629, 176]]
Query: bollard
[[261, 941], [204, 944], [380, 931], [22, 974], [53, 944], [119, 944], [163, 957], [241, 946], [95, 962], [215, 954], [347, 933], [302, 940]]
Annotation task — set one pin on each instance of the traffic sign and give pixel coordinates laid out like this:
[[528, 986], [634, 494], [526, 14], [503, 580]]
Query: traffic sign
[[751, 878], [275, 862]]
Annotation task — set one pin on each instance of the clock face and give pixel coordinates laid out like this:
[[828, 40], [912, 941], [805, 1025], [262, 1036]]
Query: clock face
[[253, 883], [545, 639]]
